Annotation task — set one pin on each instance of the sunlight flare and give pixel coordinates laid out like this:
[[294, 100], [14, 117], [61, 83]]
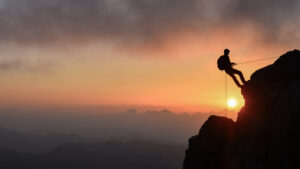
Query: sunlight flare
[[232, 103]]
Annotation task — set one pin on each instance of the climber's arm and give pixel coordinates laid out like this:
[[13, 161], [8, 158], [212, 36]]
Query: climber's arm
[[231, 63]]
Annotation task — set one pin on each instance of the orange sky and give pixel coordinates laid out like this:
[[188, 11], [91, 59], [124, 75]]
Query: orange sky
[[180, 75]]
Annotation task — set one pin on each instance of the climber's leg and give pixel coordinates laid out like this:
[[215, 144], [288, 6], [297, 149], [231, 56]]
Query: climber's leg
[[240, 74], [231, 74]]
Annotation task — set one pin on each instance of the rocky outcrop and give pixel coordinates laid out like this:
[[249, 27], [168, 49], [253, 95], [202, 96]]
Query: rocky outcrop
[[212, 147], [267, 131]]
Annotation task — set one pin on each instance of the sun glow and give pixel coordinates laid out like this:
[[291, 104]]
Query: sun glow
[[232, 103]]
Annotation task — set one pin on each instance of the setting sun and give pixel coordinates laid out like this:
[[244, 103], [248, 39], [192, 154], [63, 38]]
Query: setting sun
[[232, 103]]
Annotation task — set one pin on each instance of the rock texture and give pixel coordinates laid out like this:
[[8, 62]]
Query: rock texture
[[266, 134]]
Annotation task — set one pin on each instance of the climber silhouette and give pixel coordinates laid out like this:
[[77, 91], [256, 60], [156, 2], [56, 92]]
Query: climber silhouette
[[225, 64]]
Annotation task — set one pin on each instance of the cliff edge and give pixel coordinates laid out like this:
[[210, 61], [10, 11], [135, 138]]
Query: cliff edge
[[266, 134]]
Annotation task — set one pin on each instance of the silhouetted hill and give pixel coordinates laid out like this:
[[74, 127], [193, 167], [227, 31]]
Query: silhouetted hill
[[10, 159], [10, 139], [267, 131], [134, 154]]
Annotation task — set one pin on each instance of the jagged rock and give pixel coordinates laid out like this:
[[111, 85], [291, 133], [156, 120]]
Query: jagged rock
[[267, 131]]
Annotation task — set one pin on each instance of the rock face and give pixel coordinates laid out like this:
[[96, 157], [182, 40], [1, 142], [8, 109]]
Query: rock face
[[266, 134], [212, 147]]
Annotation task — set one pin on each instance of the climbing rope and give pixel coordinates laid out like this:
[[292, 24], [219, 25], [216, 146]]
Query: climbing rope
[[256, 60], [226, 95]]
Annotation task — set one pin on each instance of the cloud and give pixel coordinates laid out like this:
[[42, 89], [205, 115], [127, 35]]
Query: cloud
[[10, 65], [41, 20], [273, 17], [139, 21], [30, 66]]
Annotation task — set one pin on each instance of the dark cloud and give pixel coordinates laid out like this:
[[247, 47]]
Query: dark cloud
[[36, 21], [268, 11], [271, 15], [41, 20]]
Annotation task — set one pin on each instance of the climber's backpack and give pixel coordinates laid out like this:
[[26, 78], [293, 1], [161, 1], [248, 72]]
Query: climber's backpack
[[221, 63]]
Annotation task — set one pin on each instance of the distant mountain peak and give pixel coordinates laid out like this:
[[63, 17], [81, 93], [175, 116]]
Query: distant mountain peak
[[166, 111], [132, 111]]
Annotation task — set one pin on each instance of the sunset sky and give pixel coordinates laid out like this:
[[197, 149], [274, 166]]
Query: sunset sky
[[136, 53]]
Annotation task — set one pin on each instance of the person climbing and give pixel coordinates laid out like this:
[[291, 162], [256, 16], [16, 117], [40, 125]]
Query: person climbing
[[225, 64]]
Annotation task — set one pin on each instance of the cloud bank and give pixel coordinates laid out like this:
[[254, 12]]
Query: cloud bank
[[141, 21]]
